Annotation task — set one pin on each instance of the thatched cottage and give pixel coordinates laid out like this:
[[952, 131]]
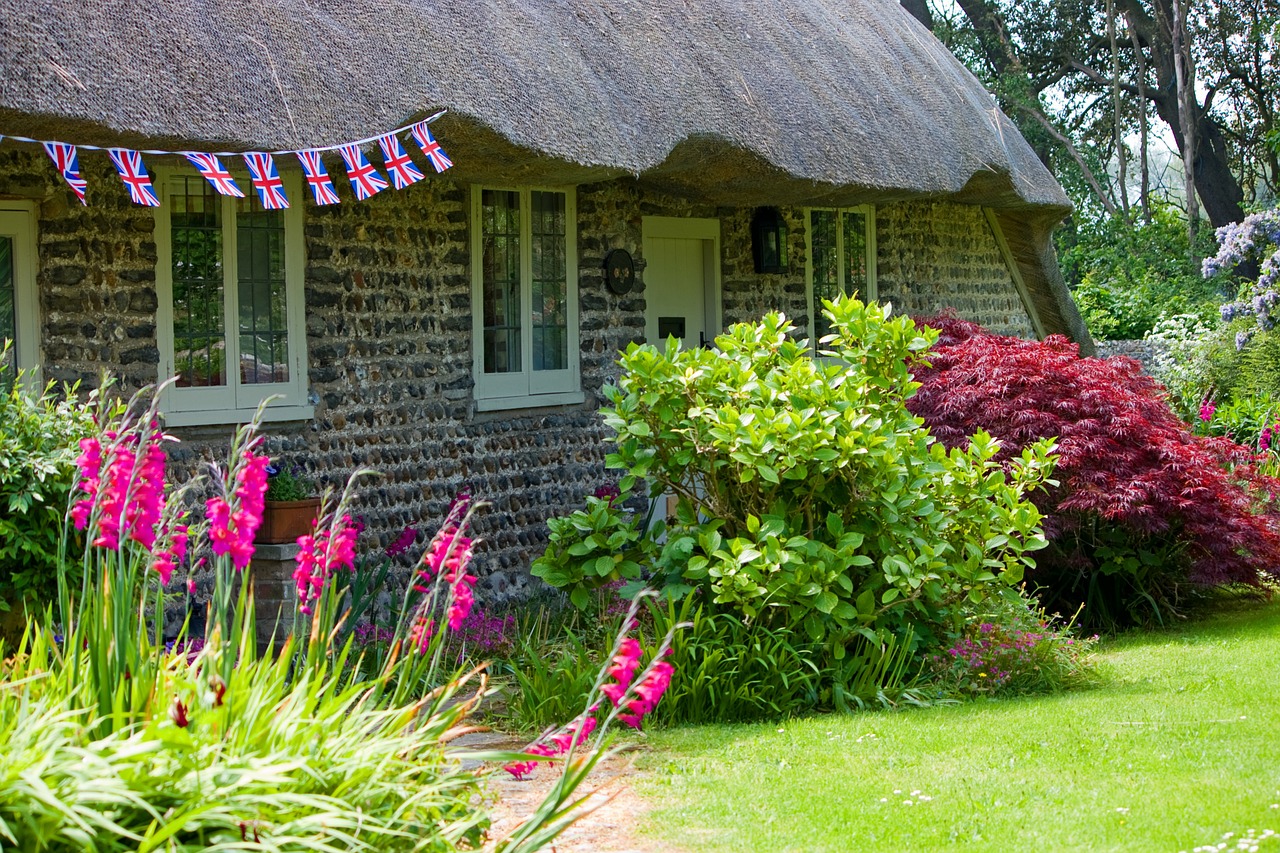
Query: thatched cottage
[[734, 157]]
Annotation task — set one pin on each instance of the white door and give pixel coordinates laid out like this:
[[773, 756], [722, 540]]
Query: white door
[[680, 280], [681, 291], [17, 284]]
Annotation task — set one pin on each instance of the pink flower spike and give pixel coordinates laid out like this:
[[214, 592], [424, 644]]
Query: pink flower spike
[[623, 669]]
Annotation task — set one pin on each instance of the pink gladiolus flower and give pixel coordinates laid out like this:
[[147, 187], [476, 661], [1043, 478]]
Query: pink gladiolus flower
[[420, 634], [232, 532], [90, 464], [622, 670], [1207, 408], [461, 598], [648, 693], [574, 734], [571, 735], [1264, 440], [521, 769], [318, 557]]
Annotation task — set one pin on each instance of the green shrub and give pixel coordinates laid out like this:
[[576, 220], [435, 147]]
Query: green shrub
[[1126, 277], [39, 442], [552, 666], [591, 548], [808, 495], [727, 670]]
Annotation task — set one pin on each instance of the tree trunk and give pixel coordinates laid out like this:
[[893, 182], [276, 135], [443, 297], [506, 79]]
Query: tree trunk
[[1217, 187], [919, 10], [1141, 61], [1185, 83]]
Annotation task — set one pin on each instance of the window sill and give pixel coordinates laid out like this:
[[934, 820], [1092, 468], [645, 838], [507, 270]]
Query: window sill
[[272, 414], [531, 401]]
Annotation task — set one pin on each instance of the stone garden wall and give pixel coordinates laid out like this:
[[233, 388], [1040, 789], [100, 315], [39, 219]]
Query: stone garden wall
[[389, 335]]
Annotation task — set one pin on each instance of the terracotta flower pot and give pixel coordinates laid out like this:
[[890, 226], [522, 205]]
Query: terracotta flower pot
[[285, 521]]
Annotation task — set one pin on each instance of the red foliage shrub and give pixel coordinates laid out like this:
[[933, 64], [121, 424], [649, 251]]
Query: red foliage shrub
[[1127, 464]]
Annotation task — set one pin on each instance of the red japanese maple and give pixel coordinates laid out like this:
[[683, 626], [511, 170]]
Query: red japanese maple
[[1127, 465]]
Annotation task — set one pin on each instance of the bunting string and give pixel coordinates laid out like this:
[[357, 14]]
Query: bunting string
[[264, 177]]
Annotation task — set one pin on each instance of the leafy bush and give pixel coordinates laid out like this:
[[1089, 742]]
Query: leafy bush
[[1126, 277], [1133, 480], [808, 495], [592, 548], [39, 438]]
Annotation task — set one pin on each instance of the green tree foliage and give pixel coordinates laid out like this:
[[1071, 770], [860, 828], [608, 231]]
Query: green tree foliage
[[1084, 78], [1127, 277]]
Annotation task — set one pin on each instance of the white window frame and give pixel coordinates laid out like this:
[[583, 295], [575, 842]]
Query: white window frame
[[235, 402], [527, 388], [873, 294], [18, 222]]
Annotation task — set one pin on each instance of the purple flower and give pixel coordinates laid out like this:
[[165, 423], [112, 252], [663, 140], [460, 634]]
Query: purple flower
[[608, 492]]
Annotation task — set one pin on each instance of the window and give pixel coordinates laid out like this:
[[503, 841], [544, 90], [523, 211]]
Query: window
[[229, 281], [18, 309], [842, 259], [525, 298]]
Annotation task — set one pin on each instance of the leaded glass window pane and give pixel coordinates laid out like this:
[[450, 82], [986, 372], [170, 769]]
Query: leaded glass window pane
[[550, 316], [8, 309], [826, 266], [199, 328], [500, 245], [264, 336], [855, 254]]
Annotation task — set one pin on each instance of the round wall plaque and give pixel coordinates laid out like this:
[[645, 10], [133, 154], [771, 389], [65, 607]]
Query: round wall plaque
[[619, 271]]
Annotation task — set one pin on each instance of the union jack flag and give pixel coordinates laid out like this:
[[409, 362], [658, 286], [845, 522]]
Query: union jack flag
[[266, 180], [402, 170], [318, 177], [422, 135], [64, 157], [134, 174], [211, 170], [365, 179]]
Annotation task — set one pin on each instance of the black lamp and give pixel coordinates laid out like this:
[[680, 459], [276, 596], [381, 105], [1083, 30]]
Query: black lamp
[[769, 240]]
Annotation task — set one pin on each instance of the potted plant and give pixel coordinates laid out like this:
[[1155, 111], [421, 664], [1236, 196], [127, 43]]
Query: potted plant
[[290, 509]]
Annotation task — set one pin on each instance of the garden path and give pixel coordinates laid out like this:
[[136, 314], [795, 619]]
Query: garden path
[[610, 828]]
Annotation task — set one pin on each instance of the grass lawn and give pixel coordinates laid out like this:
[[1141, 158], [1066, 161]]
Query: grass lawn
[[1180, 747]]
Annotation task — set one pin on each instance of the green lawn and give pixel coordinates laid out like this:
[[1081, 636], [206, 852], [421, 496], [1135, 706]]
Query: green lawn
[[1179, 748]]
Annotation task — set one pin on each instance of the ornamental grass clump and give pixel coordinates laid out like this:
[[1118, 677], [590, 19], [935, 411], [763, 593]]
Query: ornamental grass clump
[[1143, 512], [114, 737]]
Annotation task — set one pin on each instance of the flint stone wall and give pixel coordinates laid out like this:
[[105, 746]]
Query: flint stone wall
[[388, 330]]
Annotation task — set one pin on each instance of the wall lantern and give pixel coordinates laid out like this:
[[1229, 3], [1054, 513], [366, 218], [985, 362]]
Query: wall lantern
[[769, 240]]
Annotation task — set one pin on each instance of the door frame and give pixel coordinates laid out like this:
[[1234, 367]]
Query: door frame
[[18, 220], [690, 228]]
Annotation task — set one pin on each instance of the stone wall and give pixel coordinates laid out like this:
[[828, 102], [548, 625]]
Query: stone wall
[[96, 275], [934, 255], [388, 328]]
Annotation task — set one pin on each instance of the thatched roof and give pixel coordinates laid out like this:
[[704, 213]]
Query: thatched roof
[[740, 101]]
